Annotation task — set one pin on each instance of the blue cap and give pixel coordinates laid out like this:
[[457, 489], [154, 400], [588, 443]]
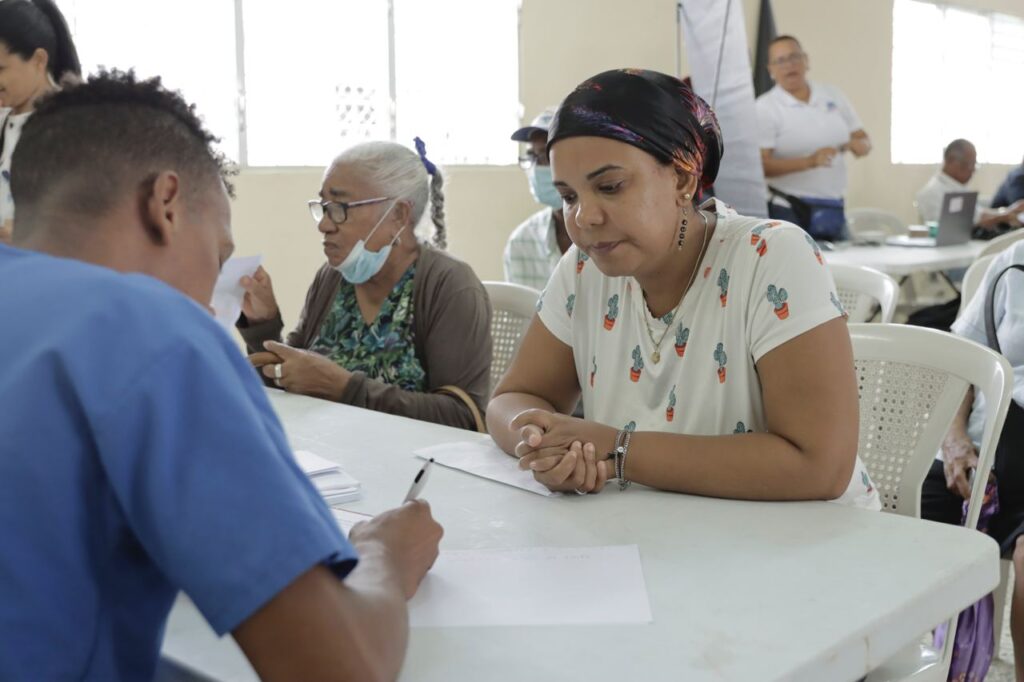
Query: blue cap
[[539, 125]]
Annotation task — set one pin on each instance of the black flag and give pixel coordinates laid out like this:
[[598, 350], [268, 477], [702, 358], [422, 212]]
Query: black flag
[[765, 35]]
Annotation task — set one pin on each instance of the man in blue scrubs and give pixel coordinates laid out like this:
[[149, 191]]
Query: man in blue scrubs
[[138, 453]]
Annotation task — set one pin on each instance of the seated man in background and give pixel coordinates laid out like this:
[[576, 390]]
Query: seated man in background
[[1012, 190], [139, 453], [948, 483], [535, 247], [959, 160]]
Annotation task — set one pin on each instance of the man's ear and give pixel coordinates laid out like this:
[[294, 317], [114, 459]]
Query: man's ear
[[161, 207]]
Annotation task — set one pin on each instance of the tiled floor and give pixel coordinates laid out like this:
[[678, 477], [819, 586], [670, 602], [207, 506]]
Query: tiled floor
[[1001, 669], [1002, 666]]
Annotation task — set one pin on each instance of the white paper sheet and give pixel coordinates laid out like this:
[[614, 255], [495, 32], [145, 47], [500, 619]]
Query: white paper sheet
[[347, 518], [228, 293], [485, 459], [533, 586], [312, 463], [332, 482]]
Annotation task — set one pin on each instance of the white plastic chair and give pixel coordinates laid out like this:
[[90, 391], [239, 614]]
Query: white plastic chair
[[863, 221], [972, 280], [911, 381], [513, 307], [1002, 242], [861, 289]]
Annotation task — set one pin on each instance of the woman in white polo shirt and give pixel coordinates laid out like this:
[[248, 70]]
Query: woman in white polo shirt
[[804, 129], [36, 51]]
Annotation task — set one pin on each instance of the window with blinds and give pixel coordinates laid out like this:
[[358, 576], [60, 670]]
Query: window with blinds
[[956, 74], [294, 84]]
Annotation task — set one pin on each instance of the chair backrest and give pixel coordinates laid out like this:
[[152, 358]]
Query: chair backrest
[[973, 278], [911, 382], [1001, 242], [513, 307], [860, 220], [862, 289]]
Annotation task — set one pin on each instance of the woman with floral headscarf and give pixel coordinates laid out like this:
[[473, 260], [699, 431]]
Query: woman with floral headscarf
[[708, 347]]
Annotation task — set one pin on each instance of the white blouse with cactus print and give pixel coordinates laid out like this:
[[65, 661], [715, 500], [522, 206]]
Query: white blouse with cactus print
[[762, 283]]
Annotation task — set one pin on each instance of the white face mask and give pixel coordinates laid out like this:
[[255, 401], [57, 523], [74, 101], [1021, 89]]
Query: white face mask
[[361, 264], [542, 186]]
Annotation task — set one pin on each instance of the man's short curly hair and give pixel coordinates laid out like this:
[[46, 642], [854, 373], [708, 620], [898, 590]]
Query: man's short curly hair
[[91, 143]]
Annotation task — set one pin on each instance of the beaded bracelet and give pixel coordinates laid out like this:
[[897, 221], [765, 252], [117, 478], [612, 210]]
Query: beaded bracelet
[[619, 453]]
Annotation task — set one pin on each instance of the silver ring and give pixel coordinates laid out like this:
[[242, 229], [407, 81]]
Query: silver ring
[[277, 371], [580, 492]]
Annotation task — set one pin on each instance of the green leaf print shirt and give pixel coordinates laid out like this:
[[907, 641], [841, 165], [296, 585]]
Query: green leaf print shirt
[[383, 350]]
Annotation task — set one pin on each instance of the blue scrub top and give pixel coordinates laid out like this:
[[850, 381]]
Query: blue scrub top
[[139, 456]]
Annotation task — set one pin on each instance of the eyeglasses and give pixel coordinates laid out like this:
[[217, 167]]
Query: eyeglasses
[[337, 211], [531, 159], [791, 58]]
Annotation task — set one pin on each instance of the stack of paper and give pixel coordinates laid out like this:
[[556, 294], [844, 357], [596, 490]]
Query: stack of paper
[[347, 518], [334, 484]]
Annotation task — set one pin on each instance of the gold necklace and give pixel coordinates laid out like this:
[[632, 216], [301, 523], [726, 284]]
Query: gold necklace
[[656, 355]]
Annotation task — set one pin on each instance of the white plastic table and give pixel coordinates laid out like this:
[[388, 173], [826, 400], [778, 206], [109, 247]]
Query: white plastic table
[[899, 261], [739, 591]]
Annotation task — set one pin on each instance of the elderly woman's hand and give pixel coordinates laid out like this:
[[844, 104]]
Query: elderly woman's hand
[[958, 458], [6, 229], [301, 371], [259, 304]]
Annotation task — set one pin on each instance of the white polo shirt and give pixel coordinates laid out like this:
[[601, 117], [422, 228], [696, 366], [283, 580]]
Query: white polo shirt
[[12, 123], [793, 129]]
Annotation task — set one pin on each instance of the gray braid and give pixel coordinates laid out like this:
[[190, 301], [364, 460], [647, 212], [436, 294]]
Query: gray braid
[[437, 209]]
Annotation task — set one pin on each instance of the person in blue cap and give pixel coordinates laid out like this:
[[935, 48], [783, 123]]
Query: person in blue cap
[[535, 247]]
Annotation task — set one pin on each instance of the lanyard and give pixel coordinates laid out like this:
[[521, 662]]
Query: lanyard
[[990, 309], [3, 133]]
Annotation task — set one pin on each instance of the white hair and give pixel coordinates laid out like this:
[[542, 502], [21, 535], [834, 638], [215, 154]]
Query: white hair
[[397, 171]]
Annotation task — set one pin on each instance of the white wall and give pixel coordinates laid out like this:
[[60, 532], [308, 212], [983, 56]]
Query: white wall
[[561, 43]]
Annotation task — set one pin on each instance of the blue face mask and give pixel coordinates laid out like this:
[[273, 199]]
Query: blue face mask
[[543, 188], [361, 264]]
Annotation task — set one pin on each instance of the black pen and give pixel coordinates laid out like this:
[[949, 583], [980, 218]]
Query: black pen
[[417, 484]]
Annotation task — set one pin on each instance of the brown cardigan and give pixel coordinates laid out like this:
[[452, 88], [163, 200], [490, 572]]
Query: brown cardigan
[[451, 335]]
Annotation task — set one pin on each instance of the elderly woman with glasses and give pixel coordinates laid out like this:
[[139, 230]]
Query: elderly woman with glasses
[[805, 128], [390, 323]]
